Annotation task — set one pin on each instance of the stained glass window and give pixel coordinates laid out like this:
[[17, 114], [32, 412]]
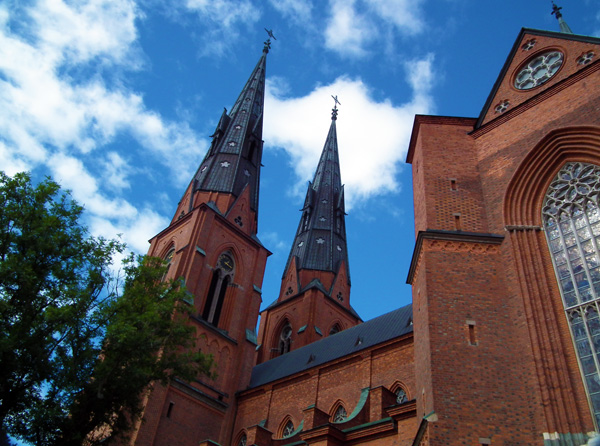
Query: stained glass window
[[285, 338], [340, 414], [401, 396], [572, 222], [288, 429], [243, 440]]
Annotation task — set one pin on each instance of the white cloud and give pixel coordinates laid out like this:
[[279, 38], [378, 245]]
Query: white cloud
[[347, 32], [405, 15], [274, 242], [223, 20], [56, 120], [355, 24], [88, 29], [372, 136], [299, 11]]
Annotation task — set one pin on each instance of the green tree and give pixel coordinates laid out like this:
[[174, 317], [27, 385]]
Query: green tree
[[80, 345]]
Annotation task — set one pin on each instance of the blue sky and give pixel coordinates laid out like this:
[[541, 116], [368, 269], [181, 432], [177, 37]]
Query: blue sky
[[116, 100]]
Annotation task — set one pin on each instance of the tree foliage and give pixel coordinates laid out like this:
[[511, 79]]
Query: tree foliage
[[80, 344]]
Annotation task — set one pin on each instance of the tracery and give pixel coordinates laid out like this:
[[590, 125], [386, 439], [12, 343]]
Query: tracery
[[571, 217]]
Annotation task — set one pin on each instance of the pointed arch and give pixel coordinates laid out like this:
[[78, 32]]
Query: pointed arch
[[282, 337], [539, 288], [401, 391], [286, 427], [225, 268], [528, 185], [241, 438], [167, 257], [338, 412], [336, 327]]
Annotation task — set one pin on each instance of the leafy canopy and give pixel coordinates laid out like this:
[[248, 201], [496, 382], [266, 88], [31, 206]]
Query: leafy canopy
[[80, 343]]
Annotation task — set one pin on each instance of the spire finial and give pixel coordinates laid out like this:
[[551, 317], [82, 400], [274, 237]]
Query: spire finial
[[267, 46], [564, 28], [334, 110]]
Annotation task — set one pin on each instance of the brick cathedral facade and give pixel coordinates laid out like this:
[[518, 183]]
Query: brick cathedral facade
[[501, 344]]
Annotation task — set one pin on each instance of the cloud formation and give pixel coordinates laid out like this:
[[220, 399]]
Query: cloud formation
[[355, 24], [53, 117], [373, 135], [222, 21]]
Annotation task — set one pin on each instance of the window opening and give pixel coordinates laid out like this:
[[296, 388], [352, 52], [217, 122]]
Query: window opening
[[222, 277], [472, 339], [571, 220], [457, 224], [170, 409], [340, 414], [285, 339], [251, 150], [401, 396], [168, 261], [453, 185], [288, 429], [243, 440], [335, 329]]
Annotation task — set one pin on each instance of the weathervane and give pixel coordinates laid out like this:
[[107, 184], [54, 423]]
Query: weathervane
[[334, 110], [268, 41]]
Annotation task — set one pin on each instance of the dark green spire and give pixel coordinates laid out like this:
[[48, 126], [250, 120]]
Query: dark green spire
[[233, 160], [320, 242]]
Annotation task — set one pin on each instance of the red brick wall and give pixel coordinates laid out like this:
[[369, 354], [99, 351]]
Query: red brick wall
[[325, 386], [521, 380]]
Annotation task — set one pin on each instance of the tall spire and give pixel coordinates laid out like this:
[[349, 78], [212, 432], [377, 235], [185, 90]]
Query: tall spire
[[564, 28], [233, 161], [320, 242]]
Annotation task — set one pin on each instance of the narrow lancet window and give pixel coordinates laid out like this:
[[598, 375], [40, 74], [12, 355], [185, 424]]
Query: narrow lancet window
[[222, 276], [340, 415], [571, 217], [285, 339]]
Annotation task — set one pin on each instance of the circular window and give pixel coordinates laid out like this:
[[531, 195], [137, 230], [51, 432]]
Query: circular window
[[538, 70]]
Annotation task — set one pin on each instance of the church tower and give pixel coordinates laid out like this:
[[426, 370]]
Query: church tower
[[211, 245], [505, 272], [314, 299]]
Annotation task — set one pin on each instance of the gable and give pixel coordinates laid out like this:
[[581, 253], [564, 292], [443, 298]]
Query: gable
[[535, 56]]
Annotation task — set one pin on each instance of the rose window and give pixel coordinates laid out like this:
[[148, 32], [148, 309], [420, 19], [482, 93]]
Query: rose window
[[538, 70]]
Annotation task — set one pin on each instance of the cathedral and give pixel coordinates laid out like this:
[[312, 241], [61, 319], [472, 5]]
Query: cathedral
[[501, 344]]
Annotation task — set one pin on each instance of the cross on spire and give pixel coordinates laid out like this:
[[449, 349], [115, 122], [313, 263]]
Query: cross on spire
[[267, 46], [564, 28], [334, 110]]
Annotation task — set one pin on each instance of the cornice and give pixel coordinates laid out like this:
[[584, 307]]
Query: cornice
[[432, 119], [451, 236]]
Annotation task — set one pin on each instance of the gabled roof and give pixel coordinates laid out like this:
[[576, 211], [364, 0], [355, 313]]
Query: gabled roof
[[376, 331], [549, 37]]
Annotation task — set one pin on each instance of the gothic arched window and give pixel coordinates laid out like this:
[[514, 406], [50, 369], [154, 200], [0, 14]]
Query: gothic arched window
[[340, 415], [335, 329], [221, 279], [285, 338], [571, 219], [401, 396], [168, 261], [243, 440], [288, 429]]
